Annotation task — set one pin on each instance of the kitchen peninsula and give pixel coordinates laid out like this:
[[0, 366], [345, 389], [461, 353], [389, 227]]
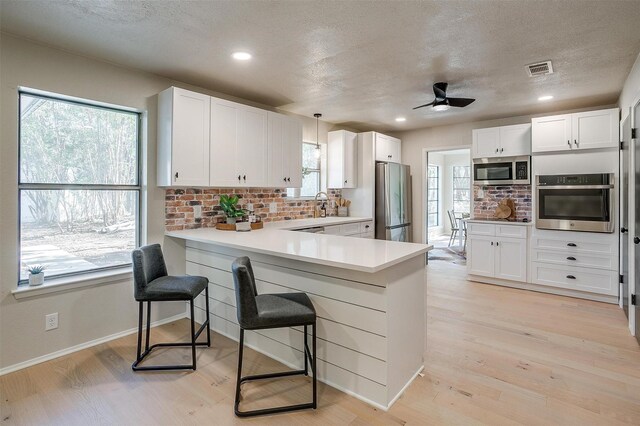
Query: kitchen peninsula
[[369, 296]]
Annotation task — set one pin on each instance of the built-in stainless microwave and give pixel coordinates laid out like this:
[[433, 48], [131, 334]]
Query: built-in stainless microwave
[[502, 171], [582, 202]]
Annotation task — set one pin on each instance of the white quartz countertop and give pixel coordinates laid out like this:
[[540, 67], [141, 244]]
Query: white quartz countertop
[[499, 222], [277, 239]]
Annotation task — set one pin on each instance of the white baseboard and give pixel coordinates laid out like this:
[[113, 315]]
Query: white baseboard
[[404, 388], [81, 346]]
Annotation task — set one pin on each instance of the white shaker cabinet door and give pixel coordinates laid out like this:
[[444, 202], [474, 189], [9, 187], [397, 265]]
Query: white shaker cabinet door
[[251, 152], [225, 123], [511, 259], [515, 140], [387, 148], [486, 142], [595, 129], [551, 133], [481, 255]]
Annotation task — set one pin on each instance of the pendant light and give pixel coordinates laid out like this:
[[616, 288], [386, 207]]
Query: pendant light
[[317, 115]]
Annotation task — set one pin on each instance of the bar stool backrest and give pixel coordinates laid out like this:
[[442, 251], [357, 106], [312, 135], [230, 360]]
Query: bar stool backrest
[[245, 286], [148, 265]]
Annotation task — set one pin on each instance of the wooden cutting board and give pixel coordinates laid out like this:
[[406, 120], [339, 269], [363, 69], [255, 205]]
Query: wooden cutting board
[[506, 209]]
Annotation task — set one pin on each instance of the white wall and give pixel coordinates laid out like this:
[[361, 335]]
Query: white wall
[[94, 312], [453, 136]]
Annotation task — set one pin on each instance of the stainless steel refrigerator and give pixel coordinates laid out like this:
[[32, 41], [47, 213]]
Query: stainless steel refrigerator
[[393, 202]]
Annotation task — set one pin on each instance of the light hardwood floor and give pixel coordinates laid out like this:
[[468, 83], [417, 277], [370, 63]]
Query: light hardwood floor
[[494, 356]]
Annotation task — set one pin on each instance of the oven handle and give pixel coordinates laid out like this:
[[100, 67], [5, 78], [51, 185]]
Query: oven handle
[[575, 187]]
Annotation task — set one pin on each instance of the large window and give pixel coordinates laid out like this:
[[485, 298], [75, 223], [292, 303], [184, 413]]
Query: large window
[[461, 189], [79, 185], [433, 188]]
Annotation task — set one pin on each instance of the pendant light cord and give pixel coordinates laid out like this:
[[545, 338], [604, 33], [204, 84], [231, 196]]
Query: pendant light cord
[[317, 115]]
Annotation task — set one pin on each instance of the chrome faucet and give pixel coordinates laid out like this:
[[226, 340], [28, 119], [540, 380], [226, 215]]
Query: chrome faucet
[[316, 211]]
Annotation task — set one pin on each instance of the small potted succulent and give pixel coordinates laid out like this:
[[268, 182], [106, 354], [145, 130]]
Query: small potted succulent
[[36, 274], [229, 204]]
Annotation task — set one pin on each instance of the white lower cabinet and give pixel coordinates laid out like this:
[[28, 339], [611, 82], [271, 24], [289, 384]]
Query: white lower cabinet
[[497, 257], [582, 264]]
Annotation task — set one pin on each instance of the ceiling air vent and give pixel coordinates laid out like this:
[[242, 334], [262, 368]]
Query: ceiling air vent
[[539, 68]]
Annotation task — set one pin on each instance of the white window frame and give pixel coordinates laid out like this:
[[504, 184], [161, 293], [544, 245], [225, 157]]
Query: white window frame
[[454, 188], [95, 276], [437, 200]]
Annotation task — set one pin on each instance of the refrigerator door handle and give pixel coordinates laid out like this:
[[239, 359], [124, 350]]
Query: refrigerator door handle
[[402, 225]]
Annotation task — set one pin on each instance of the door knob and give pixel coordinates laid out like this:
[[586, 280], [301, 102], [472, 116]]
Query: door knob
[[623, 230], [636, 240]]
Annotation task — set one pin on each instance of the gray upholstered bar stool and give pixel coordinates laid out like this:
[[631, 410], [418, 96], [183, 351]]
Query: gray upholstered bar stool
[[152, 284], [262, 311]]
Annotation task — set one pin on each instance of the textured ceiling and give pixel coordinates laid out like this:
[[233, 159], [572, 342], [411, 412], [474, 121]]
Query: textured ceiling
[[360, 63]]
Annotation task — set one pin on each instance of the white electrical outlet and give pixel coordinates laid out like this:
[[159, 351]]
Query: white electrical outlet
[[51, 321], [197, 212], [273, 207], [250, 207]]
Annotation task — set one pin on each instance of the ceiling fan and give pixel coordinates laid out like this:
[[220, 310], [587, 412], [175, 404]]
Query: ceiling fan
[[442, 102]]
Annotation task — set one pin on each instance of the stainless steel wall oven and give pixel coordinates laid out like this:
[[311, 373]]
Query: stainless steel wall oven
[[582, 202]]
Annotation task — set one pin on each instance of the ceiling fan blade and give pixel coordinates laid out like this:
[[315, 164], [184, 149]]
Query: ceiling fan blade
[[440, 90], [459, 102], [425, 105]]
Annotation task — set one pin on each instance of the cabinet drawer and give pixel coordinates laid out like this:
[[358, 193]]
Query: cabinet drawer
[[333, 230], [350, 228], [570, 245], [600, 261], [583, 279], [513, 231], [366, 226], [474, 228]]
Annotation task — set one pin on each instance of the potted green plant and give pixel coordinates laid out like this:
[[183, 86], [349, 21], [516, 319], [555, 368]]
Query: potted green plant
[[229, 204], [36, 274]]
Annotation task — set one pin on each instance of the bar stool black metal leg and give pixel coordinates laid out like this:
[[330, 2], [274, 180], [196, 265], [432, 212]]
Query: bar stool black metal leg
[[139, 351], [206, 295], [238, 382], [193, 337], [305, 353], [314, 369], [146, 346]]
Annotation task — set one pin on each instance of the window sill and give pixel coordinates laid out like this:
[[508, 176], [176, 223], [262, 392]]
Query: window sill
[[57, 285]]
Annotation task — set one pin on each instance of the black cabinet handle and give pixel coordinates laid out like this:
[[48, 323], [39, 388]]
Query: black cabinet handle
[[345, 181], [569, 143], [288, 179], [571, 258], [572, 245], [636, 240], [491, 242], [496, 150], [366, 226], [575, 141], [501, 149], [623, 230], [571, 277], [497, 243], [244, 178], [239, 178], [176, 175]]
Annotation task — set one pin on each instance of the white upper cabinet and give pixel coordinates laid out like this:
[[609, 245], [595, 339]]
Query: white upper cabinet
[[387, 148], [596, 129], [285, 151], [342, 159], [238, 141], [582, 130], [183, 138], [506, 141]]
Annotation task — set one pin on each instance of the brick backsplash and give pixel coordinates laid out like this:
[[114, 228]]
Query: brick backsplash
[[484, 208], [179, 205]]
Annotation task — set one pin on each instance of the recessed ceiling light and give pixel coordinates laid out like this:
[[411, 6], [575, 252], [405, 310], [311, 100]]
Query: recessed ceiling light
[[241, 56], [401, 119], [545, 98]]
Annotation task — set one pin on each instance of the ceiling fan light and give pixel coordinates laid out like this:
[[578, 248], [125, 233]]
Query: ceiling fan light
[[441, 107]]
